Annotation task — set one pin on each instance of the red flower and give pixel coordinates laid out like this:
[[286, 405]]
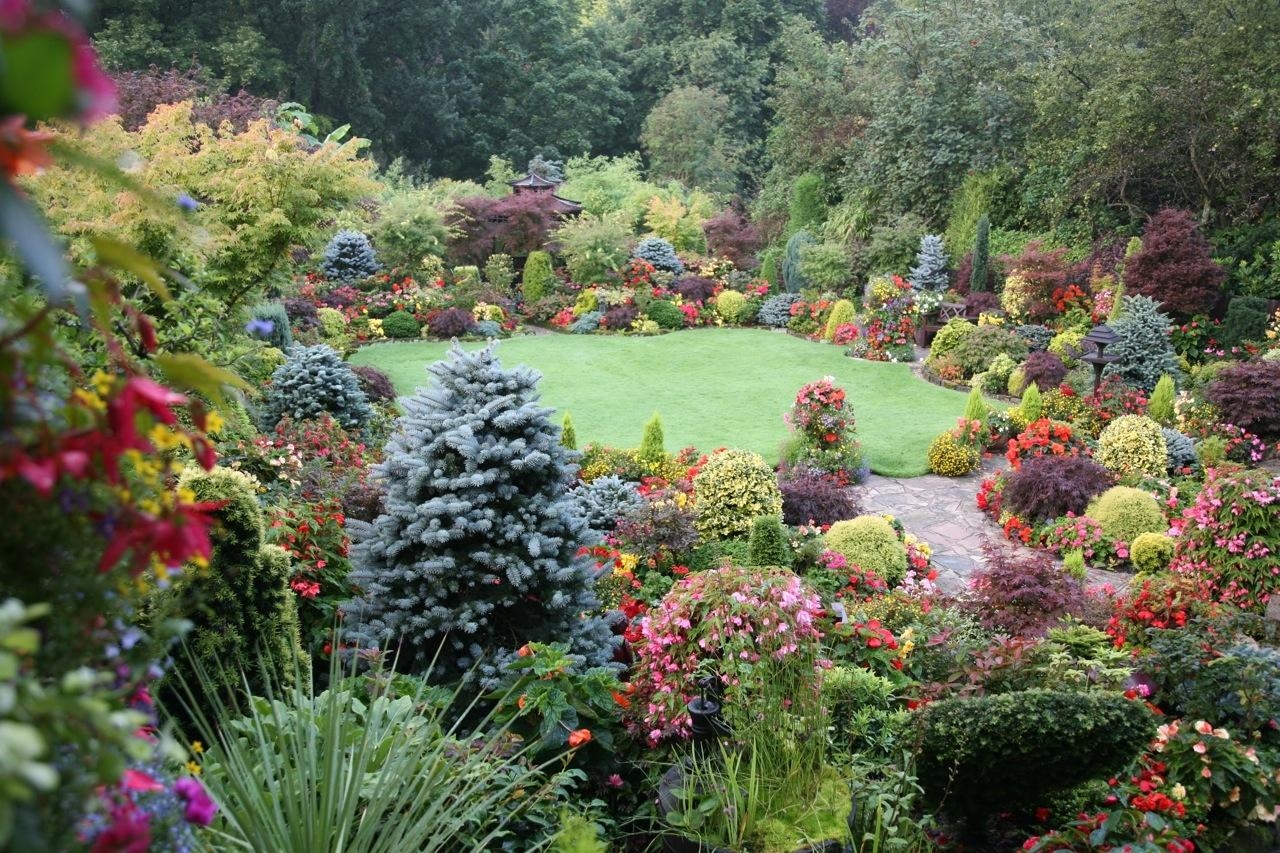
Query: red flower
[[579, 737]]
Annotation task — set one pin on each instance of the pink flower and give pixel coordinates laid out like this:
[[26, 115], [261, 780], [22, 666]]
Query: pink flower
[[200, 807]]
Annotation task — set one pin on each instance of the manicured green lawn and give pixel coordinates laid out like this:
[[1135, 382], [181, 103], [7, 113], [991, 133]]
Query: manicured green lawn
[[713, 388]]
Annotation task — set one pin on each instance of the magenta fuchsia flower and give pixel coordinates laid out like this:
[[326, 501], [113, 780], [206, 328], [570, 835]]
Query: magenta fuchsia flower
[[200, 807]]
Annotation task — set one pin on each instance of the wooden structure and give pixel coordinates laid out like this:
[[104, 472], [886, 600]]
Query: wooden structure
[[536, 184]]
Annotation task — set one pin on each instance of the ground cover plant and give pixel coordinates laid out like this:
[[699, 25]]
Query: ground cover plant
[[714, 388]]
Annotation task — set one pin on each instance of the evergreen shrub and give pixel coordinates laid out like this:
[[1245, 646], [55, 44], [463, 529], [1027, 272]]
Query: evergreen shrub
[[280, 335], [349, 257], [978, 348], [842, 313], [605, 500], [776, 310], [1125, 513], [1151, 552], [400, 325], [1145, 350], [537, 279], [1133, 446], [793, 279], [930, 271], [660, 253], [733, 489], [767, 543], [1246, 320], [983, 754], [870, 543], [311, 382], [1180, 450], [666, 314], [1160, 406], [478, 551]]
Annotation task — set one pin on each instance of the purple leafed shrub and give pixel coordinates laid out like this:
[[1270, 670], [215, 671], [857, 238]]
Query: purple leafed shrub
[[620, 317], [1048, 487], [731, 235], [302, 313], [810, 496], [377, 386], [695, 288], [1248, 395], [340, 297], [982, 300], [450, 323], [1045, 369], [1023, 595]]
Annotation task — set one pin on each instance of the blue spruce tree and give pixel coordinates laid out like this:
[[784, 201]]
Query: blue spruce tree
[[930, 271], [349, 257], [477, 551]]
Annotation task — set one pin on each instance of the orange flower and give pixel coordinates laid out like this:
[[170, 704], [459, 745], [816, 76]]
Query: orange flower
[[623, 701], [520, 702], [579, 737], [525, 651], [22, 151]]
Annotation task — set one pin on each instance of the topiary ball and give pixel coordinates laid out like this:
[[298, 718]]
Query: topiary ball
[[949, 457], [400, 325], [871, 543], [1151, 552], [733, 489], [666, 314], [729, 305], [1125, 513], [1133, 446]]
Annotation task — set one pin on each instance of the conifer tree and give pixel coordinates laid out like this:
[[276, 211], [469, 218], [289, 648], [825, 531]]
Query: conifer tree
[[476, 553], [930, 271], [349, 257], [568, 435], [981, 256], [652, 444], [1144, 350]]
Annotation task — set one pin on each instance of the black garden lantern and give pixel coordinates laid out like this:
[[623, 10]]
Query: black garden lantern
[[1100, 337], [704, 712]]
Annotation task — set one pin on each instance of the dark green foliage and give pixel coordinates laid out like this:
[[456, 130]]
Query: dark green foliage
[[477, 553], [980, 755], [976, 350], [537, 278], [792, 279], [660, 253], [314, 380], [1246, 320], [1248, 395], [280, 336], [400, 324], [665, 314], [349, 257], [808, 207], [243, 613], [1037, 337], [1145, 350], [776, 310], [651, 443], [981, 255], [767, 543]]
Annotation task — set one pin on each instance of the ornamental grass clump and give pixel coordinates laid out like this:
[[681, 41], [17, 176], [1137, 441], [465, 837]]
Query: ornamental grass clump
[[1133, 446], [478, 550], [733, 489], [979, 755], [754, 628], [823, 432], [870, 543], [1231, 537]]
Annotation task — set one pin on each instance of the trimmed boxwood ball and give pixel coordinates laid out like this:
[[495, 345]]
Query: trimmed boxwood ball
[[1133, 446], [666, 314], [311, 382], [950, 457], [1125, 513], [871, 543], [983, 754], [1151, 552], [729, 305], [400, 325], [733, 489]]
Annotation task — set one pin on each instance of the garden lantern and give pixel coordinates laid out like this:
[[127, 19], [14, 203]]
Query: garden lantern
[[1101, 337], [704, 711]]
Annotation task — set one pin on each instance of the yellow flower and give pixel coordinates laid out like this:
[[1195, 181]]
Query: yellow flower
[[213, 422], [197, 747], [193, 768]]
